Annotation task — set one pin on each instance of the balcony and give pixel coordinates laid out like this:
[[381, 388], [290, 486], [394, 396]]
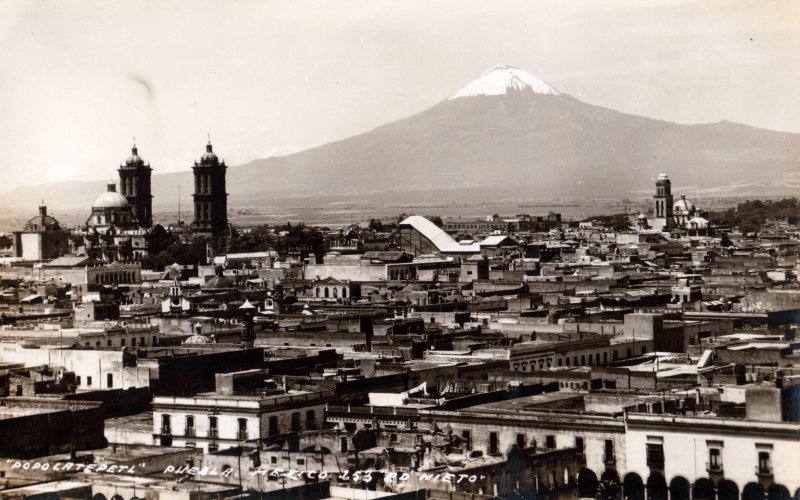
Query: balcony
[[711, 467], [241, 435], [609, 460], [166, 430], [212, 434], [764, 471], [190, 432]]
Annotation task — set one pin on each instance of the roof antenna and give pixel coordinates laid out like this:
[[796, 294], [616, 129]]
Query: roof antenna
[[134, 141], [209, 138]]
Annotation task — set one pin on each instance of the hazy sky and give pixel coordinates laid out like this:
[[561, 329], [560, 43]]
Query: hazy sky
[[81, 78]]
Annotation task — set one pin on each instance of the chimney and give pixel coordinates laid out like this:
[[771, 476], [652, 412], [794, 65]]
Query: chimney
[[284, 384]]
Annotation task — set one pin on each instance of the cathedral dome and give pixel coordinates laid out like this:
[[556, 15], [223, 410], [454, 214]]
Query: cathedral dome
[[110, 199], [683, 205], [197, 339], [42, 222], [698, 223], [134, 159]]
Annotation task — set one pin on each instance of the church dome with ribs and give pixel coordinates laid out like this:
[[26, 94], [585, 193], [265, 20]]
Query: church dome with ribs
[[110, 199]]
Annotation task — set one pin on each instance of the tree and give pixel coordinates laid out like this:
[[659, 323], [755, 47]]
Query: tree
[[375, 225], [436, 220]]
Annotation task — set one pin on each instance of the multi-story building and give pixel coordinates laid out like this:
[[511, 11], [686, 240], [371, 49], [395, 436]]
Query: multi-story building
[[228, 418], [680, 453]]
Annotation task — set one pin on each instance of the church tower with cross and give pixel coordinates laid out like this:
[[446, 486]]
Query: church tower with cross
[[134, 185], [210, 198]]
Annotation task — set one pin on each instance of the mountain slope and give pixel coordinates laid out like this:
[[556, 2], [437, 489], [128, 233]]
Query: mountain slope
[[506, 134]]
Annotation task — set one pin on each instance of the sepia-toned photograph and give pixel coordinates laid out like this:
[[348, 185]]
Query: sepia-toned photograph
[[415, 250]]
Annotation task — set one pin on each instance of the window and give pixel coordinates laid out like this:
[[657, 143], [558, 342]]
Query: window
[[78, 380], [212, 427], [189, 425], [273, 426], [273, 459], [133, 341], [608, 451], [166, 424], [241, 433], [310, 423], [714, 460], [466, 437], [393, 438], [492, 443], [343, 444], [108, 343], [520, 440], [88, 381], [764, 466], [295, 422], [301, 461], [579, 442], [122, 342], [655, 455], [550, 441], [109, 380]]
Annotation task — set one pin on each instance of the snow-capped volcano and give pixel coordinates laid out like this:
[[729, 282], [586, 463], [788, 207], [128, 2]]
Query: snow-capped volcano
[[525, 140], [502, 78]]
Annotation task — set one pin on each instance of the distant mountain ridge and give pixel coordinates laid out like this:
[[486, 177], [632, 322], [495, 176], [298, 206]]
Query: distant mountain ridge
[[505, 134]]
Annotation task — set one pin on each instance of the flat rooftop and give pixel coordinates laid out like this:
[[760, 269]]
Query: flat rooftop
[[16, 412]]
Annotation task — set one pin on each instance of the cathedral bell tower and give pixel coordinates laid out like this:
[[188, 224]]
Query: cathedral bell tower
[[134, 184], [663, 219], [210, 198]]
